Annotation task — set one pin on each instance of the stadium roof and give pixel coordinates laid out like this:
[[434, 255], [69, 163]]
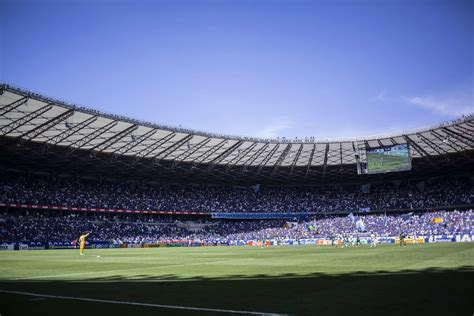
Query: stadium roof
[[44, 125]]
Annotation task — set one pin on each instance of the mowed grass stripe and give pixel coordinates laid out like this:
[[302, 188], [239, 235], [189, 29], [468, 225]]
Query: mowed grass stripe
[[274, 260], [306, 280], [107, 272]]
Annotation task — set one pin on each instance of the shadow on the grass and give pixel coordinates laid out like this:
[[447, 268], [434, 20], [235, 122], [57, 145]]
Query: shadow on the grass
[[433, 291]]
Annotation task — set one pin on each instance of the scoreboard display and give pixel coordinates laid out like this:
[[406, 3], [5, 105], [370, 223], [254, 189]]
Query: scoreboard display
[[388, 159]]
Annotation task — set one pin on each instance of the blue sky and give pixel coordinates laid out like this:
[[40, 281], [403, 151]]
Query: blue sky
[[327, 69]]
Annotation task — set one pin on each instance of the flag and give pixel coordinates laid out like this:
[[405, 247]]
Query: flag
[[360, 225], [437, 220], [406, 217], [352, 218]]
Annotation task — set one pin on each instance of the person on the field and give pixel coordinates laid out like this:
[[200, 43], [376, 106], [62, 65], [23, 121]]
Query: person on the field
[[358, 240], [82, 243], [402, 239], [373, 238], [346, 241]]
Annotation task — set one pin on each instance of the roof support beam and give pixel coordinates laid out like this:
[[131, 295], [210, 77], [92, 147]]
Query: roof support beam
[[459, 136], [463, 130], [367, 146], [340, 152], [239, 157], [87, 139], [432, 145], [12, 106], [35, 132], [262, 164], [468, 134], [282, 157], [326, 153], [293, 164], [252, 158], [448, 143], [223, 155], [112, 140], [356, 154], [173, 146], [461, 142], [190, 152], [152, 147], [455, 146], [310, 161], [7, 129], [205, 155], [469, 123], [76, 128], [137, 141], [420, 150]]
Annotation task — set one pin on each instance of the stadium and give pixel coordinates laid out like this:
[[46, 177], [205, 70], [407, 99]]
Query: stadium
[[105, 214], [68, 170]]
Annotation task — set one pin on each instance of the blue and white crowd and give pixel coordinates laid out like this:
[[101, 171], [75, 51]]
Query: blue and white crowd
[[382, 225], [55, 191], [61, 226], [53, 226]]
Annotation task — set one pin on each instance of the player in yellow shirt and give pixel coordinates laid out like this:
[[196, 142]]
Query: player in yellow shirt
[[82, 242]]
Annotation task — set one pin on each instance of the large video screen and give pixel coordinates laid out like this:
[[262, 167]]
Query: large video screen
[[388, 159]]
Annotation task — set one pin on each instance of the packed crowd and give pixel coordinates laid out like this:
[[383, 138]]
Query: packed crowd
[[411, 224], [51, 226], [55, 191]]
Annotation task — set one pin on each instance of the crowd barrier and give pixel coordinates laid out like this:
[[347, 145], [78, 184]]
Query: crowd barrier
[[253, 242], [52, 245]]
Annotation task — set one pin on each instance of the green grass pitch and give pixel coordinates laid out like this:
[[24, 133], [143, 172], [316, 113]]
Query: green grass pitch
[[382, 163], [423, 279]]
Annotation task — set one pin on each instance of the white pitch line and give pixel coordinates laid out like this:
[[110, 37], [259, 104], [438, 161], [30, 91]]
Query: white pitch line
[[201, 309], [122, 270]]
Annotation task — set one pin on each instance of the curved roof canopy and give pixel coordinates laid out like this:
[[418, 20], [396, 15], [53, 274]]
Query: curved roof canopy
[[27, 116]]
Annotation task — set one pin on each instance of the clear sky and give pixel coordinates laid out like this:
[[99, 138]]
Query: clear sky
[[326, 69]]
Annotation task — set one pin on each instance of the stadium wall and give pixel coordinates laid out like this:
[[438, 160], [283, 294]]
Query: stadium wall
[[270, 242]]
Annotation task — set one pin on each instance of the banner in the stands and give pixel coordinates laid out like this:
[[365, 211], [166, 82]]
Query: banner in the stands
[[298, 215], [93, 209]]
